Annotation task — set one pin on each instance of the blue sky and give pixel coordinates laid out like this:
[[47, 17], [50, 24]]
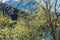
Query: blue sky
[[59, 6], [58, 9], [29, 5]]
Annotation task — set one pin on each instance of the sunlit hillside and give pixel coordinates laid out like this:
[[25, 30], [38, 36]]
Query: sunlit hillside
[[29, 20]]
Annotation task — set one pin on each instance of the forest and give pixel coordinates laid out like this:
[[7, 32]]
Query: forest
[[30, 20]]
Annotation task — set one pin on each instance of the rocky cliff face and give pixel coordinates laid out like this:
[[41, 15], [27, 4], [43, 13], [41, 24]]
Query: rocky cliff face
[[1, 5], [11, 11], [13, 7]]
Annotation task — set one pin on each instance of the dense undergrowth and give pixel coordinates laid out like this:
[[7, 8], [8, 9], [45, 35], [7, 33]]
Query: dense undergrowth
[[24, 28]]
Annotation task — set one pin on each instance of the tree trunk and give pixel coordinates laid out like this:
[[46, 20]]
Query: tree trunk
[[53, 32]]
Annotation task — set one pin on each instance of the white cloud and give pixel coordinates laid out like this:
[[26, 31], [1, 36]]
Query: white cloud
[[4, 1], [0, 0], [38, 1]]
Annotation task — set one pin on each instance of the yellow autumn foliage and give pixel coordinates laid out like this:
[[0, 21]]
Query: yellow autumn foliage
[[58, 24]]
